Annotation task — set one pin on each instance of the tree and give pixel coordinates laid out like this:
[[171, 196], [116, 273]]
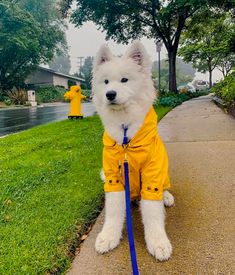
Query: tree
[[86, 71], [206, 43], [61, 63], [226, 63], [130, 19], [29, 35], [18, 45]]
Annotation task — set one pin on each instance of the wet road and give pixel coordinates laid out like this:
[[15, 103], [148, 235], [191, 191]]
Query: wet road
[[15, 120]]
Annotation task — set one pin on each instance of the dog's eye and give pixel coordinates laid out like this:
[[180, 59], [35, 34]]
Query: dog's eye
[[106, 81], [124, 80]]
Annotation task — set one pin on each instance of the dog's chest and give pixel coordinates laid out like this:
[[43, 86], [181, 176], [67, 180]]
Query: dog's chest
[[117, 131]]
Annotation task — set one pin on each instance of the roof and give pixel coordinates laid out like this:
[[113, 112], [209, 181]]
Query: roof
[[61, 74]]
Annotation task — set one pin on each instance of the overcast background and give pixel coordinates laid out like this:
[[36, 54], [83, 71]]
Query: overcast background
[[86, 40]]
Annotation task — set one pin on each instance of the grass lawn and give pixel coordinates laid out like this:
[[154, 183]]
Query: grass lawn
[[50, 188], [162, 111]]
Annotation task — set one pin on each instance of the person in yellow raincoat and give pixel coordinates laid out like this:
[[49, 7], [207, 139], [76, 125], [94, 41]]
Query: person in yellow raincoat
[[148, 162], [74, 95]]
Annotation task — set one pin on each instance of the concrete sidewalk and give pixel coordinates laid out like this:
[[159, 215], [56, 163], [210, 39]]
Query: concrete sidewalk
[[200, 141]]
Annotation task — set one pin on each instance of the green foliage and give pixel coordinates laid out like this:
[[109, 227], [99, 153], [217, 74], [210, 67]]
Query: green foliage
[[7, 101], [71, 83], [83, 86], [226, 62], [206, 42], [50, 94], [172, 100], [30, 34], [87, 93], [226, 89], [17, 96]]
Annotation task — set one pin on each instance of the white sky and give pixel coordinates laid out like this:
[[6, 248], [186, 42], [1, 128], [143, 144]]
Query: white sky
[[86, 41]]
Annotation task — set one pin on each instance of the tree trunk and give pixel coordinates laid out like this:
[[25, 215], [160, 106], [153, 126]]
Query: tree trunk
[[210, 71], [172, 71], [210, 78]]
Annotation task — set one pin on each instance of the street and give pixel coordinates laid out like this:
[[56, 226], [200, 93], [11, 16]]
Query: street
[[15, 120]]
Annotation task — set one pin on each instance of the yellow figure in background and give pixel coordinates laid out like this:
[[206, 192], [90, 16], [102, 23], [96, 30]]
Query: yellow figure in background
[[74, 95]]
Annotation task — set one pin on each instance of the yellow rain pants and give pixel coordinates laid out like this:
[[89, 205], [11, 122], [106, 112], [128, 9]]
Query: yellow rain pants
[[148, 162]]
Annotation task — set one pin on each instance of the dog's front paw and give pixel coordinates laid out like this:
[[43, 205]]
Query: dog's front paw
[[160, 248], [106, 241], [168, 199]]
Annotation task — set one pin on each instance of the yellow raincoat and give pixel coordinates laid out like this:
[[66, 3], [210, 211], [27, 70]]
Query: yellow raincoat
[[148, 162], [75, 96]]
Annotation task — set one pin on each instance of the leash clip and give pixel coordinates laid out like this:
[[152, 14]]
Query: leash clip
[[125, 137]]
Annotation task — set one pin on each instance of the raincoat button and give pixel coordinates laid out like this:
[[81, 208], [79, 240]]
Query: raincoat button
[[156, 189], [110, 181], [117, 181], [148, 188]]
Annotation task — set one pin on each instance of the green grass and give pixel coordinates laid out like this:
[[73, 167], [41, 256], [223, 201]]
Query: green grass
[[50, 188], [162, 111]]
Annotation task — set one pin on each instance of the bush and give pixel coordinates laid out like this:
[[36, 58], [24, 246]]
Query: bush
[[83, 86], [50, 94], [184, 96], [86, 93], [16, 96], [7, 101], [71, 83], [172, 99], [226, 89]]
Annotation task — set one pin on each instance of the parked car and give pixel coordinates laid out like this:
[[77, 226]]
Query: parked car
[[186, 88], [201, 85]]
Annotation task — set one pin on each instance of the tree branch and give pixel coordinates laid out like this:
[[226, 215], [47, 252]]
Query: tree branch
[[156, 26]]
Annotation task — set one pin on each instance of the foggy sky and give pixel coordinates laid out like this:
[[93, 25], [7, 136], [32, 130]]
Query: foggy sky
[[86, 41]]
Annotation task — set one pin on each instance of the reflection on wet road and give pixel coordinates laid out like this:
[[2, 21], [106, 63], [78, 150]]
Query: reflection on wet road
[[14, 120]]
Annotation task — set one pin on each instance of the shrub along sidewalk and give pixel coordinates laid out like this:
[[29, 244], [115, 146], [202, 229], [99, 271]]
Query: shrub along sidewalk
[[50, 190], [225, 91]]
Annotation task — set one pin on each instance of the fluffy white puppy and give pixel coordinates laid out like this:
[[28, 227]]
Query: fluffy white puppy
[[123, 94]]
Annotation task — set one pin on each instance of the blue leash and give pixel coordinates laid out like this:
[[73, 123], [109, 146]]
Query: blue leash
[[128, 209]]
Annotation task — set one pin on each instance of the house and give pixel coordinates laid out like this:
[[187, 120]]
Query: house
[[47, 77]]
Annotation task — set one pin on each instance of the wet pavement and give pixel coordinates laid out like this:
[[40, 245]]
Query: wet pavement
[[15, 120], [200, 141]]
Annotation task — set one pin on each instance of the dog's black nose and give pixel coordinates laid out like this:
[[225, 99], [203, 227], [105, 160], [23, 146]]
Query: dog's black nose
[[111, 95]]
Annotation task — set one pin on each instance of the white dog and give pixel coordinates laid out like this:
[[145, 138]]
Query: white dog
[[123, 95]]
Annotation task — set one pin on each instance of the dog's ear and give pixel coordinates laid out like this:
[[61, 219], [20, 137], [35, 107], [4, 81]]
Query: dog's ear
[[104, 54], [138, 54]]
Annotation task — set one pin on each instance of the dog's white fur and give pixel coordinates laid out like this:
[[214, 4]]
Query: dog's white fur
[[133, 100]]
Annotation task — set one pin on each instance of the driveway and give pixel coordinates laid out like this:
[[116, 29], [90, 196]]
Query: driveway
[[15, 120]]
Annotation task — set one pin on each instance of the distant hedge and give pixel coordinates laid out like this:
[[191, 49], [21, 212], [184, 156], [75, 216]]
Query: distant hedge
[[53, 94], [172, 99], [50, 94]]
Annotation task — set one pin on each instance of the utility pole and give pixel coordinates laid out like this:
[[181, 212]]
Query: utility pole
[[158, 49]]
